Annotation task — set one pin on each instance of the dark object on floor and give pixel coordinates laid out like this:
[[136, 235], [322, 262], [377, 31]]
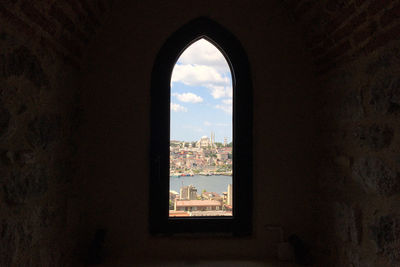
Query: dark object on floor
[[302, 255], [96, 249]]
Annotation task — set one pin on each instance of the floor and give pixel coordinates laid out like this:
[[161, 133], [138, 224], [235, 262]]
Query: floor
[[217, 264]]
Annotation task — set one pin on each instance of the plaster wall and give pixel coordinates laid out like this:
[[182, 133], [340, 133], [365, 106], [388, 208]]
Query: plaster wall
[[114, 148]]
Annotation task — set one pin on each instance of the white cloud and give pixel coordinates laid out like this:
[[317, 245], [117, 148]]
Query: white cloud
[[226, 105], [202, 75], [225, 108], [202, 64], [217, 124], [178, 108], [220, 91], [227, 101], [202, 52], [188, 97]]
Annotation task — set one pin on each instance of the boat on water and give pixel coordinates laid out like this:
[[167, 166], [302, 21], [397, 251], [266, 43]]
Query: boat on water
[[178, 175]]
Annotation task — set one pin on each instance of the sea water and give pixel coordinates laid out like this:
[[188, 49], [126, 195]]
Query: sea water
[[217, 183]]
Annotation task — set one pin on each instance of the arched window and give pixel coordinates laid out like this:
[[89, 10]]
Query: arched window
[[239, 221]]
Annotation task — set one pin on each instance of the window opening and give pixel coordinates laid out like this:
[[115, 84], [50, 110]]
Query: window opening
[[201, 133], [162, 132]]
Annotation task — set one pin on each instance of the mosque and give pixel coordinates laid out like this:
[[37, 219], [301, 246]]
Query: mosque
[[205, 142]]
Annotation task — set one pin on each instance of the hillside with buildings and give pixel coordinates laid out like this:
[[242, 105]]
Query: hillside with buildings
[[204, 157]]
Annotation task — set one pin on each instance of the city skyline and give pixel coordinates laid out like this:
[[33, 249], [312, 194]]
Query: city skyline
[[222, 140], [201, 94]]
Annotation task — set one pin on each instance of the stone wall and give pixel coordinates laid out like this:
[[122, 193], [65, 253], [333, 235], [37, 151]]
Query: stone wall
[[48, 213], [359, 172], [356, 53], [41, 43], [339, 31]]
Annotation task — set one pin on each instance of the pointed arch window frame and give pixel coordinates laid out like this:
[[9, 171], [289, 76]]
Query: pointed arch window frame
[[240, 223]]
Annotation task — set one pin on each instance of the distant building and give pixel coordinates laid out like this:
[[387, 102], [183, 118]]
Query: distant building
[[204, 142], [211, 196], [197, 205], [229, 198], [173, 213], [227, 207], [222, 156], [173, 195], [225, 197], [212, 139], [188, 193]]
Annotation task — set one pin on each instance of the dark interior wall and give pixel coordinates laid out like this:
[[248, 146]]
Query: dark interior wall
[[40, 47], [37, 117], [326, 134], [114, 149], [355, 48], [359, 166]]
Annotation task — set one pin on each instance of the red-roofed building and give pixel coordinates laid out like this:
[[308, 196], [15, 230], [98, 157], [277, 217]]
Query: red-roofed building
[[228, 207], [173, 213], [195, 205], [210, 196]]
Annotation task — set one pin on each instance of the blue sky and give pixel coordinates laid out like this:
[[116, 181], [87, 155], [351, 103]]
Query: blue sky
[[201, 94]]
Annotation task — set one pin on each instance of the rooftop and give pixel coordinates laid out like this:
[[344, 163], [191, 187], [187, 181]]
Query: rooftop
[[173, 213], [197, 203]]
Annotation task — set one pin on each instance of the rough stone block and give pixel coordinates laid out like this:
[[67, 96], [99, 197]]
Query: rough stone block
[[383, 62], [336, 5], [376, 177], [351, 106], [43, 131], [24, 157], [385, 95], [23, 61], [348, 225], [5, 117], [375, 136], [25, 183], [385, 231], [15, 240]]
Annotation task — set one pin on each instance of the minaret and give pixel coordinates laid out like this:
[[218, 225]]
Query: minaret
[[230, 198]]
